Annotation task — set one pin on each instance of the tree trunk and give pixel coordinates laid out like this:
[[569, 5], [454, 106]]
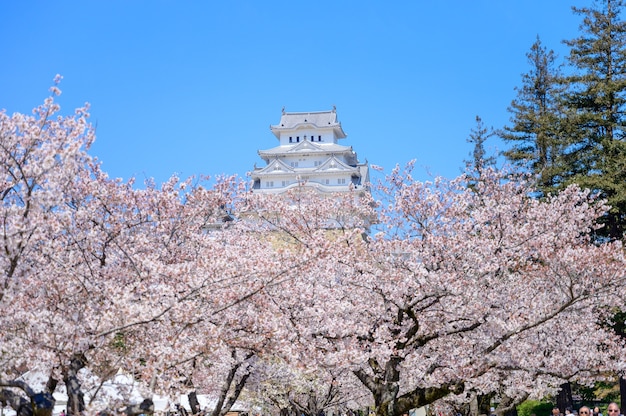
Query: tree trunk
[[473, 406], [484, 404], [75, 398], [223, 404], [383, 385], [564, 398], [194, 404], [385, 401]]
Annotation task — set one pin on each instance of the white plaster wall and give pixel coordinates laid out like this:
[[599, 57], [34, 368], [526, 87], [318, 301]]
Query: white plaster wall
[[277, 180], [327, 136]]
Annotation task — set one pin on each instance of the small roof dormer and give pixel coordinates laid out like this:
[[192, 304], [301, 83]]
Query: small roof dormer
[[317, 120]]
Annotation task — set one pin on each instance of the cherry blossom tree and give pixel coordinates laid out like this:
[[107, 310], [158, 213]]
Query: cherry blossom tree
[[290, 390], [429, 291], [41, 156], [457, 292], [99, 276]]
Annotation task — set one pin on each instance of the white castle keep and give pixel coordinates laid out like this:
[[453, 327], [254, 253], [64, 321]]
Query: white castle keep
[[308, 154]]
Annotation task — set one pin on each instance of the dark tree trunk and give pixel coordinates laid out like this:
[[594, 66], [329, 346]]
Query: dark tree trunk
[[512, 412], [564, 398], [507, 406], [388, 403], [75, 398], [484, 404], [194, 404], [224, 403]]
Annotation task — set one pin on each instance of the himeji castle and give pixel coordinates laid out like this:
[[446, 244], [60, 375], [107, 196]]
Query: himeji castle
[[308, 154]]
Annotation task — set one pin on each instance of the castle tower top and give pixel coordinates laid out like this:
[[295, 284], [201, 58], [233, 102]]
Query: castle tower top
[[320, 121], [308, 155]]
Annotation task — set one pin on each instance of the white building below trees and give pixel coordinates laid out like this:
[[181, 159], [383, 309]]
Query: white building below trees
[[308, 154]]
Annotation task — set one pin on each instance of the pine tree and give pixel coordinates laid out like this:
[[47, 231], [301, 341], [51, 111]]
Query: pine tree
[[595, 101], [570, 128], [478, 136], [535, 130]]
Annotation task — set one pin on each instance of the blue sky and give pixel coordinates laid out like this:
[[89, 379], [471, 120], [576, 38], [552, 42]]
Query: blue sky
[[191, 87]]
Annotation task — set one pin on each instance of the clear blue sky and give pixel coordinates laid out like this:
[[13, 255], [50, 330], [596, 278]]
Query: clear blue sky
[[191, 87]]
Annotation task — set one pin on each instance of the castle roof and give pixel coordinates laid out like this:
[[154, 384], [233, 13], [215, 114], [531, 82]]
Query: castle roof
[[333, 165], [305, 147], [316, 119]]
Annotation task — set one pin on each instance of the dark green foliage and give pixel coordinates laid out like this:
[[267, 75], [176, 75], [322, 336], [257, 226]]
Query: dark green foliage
[[478, 137], [538, 408], [536, 115], [587, 394], [596, 105], [119, 342], [572, 129]]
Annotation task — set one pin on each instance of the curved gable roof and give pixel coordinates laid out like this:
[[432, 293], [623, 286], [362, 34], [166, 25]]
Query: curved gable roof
[[305, 147], [315, 119], [334, 164], [275, 166]]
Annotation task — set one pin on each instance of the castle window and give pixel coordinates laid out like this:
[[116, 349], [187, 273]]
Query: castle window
[[270, 184], [327, 181], [298, 139], [341, 181], [319, 138], [290, 139]]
